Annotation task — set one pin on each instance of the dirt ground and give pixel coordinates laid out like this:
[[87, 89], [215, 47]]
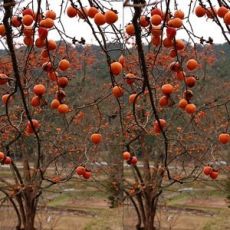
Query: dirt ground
[[81, 205], [95, 214]]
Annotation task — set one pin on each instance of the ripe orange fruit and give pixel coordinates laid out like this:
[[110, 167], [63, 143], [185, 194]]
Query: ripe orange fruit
[[63, 64], [2, 30], [224, 138], [99, 19], [71, 11], [2, 156], [144, 21], [28, 11], [7, 161], [36, 125], [39, 89], [117, 91], [130, 78], [175, 22], [156, 11], [63, 108], [52, 45], [42, 33], [170, 32], [133, 160], [47, 23], [180, 45], [175, 66], [122, 60], [27, 20], [182, 103], [156, 126], [167, 42], [50, 14], [156, 19], [55, 103], [130, 30], [210, 13], [28, 31], [92, 12], [40, 42], [116, 68], [200, 11], [53, 75], [87, 174], [172, 53], [110, 17], [180, 75], [214, 174], [44, 53], [190, 81], [6, 98], [3, 78], [156, 40], [188, 94], [190, 108], [156, 31], [164, 101], [207, 170], [47, 66], [83, 13], [63, 82], [126, 155], [179, 14], [16, 21], [80, 170], [35, 101], [28, 41], [227, 18], [96, 138], [191, 64], [167, 89], [132, 98], [222, 11]]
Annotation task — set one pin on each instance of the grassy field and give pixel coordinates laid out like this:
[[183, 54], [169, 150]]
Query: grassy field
[[83, 205]]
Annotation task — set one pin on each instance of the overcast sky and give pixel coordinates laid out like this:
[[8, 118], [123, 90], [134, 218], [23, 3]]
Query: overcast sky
[[75, 27]]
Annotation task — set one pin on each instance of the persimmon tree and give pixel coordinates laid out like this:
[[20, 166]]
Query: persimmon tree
[[154, 101]]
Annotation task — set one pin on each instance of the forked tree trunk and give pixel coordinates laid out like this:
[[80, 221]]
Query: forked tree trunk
[[30, 217], [27, 209], [151, 178], [147, 216], [150, 217]]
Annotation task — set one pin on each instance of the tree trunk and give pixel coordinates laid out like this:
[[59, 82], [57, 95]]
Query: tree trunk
[[149, 222], [30, 217], [116, 177], [27, 202]]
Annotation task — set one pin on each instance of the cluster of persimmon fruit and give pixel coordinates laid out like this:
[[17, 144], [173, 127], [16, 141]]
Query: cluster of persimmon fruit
[[84, 172], [45, 22], [96, 139], [209, 171], [100, 18], [222, 12], [5, 159], [190, 81], [129, 158]]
